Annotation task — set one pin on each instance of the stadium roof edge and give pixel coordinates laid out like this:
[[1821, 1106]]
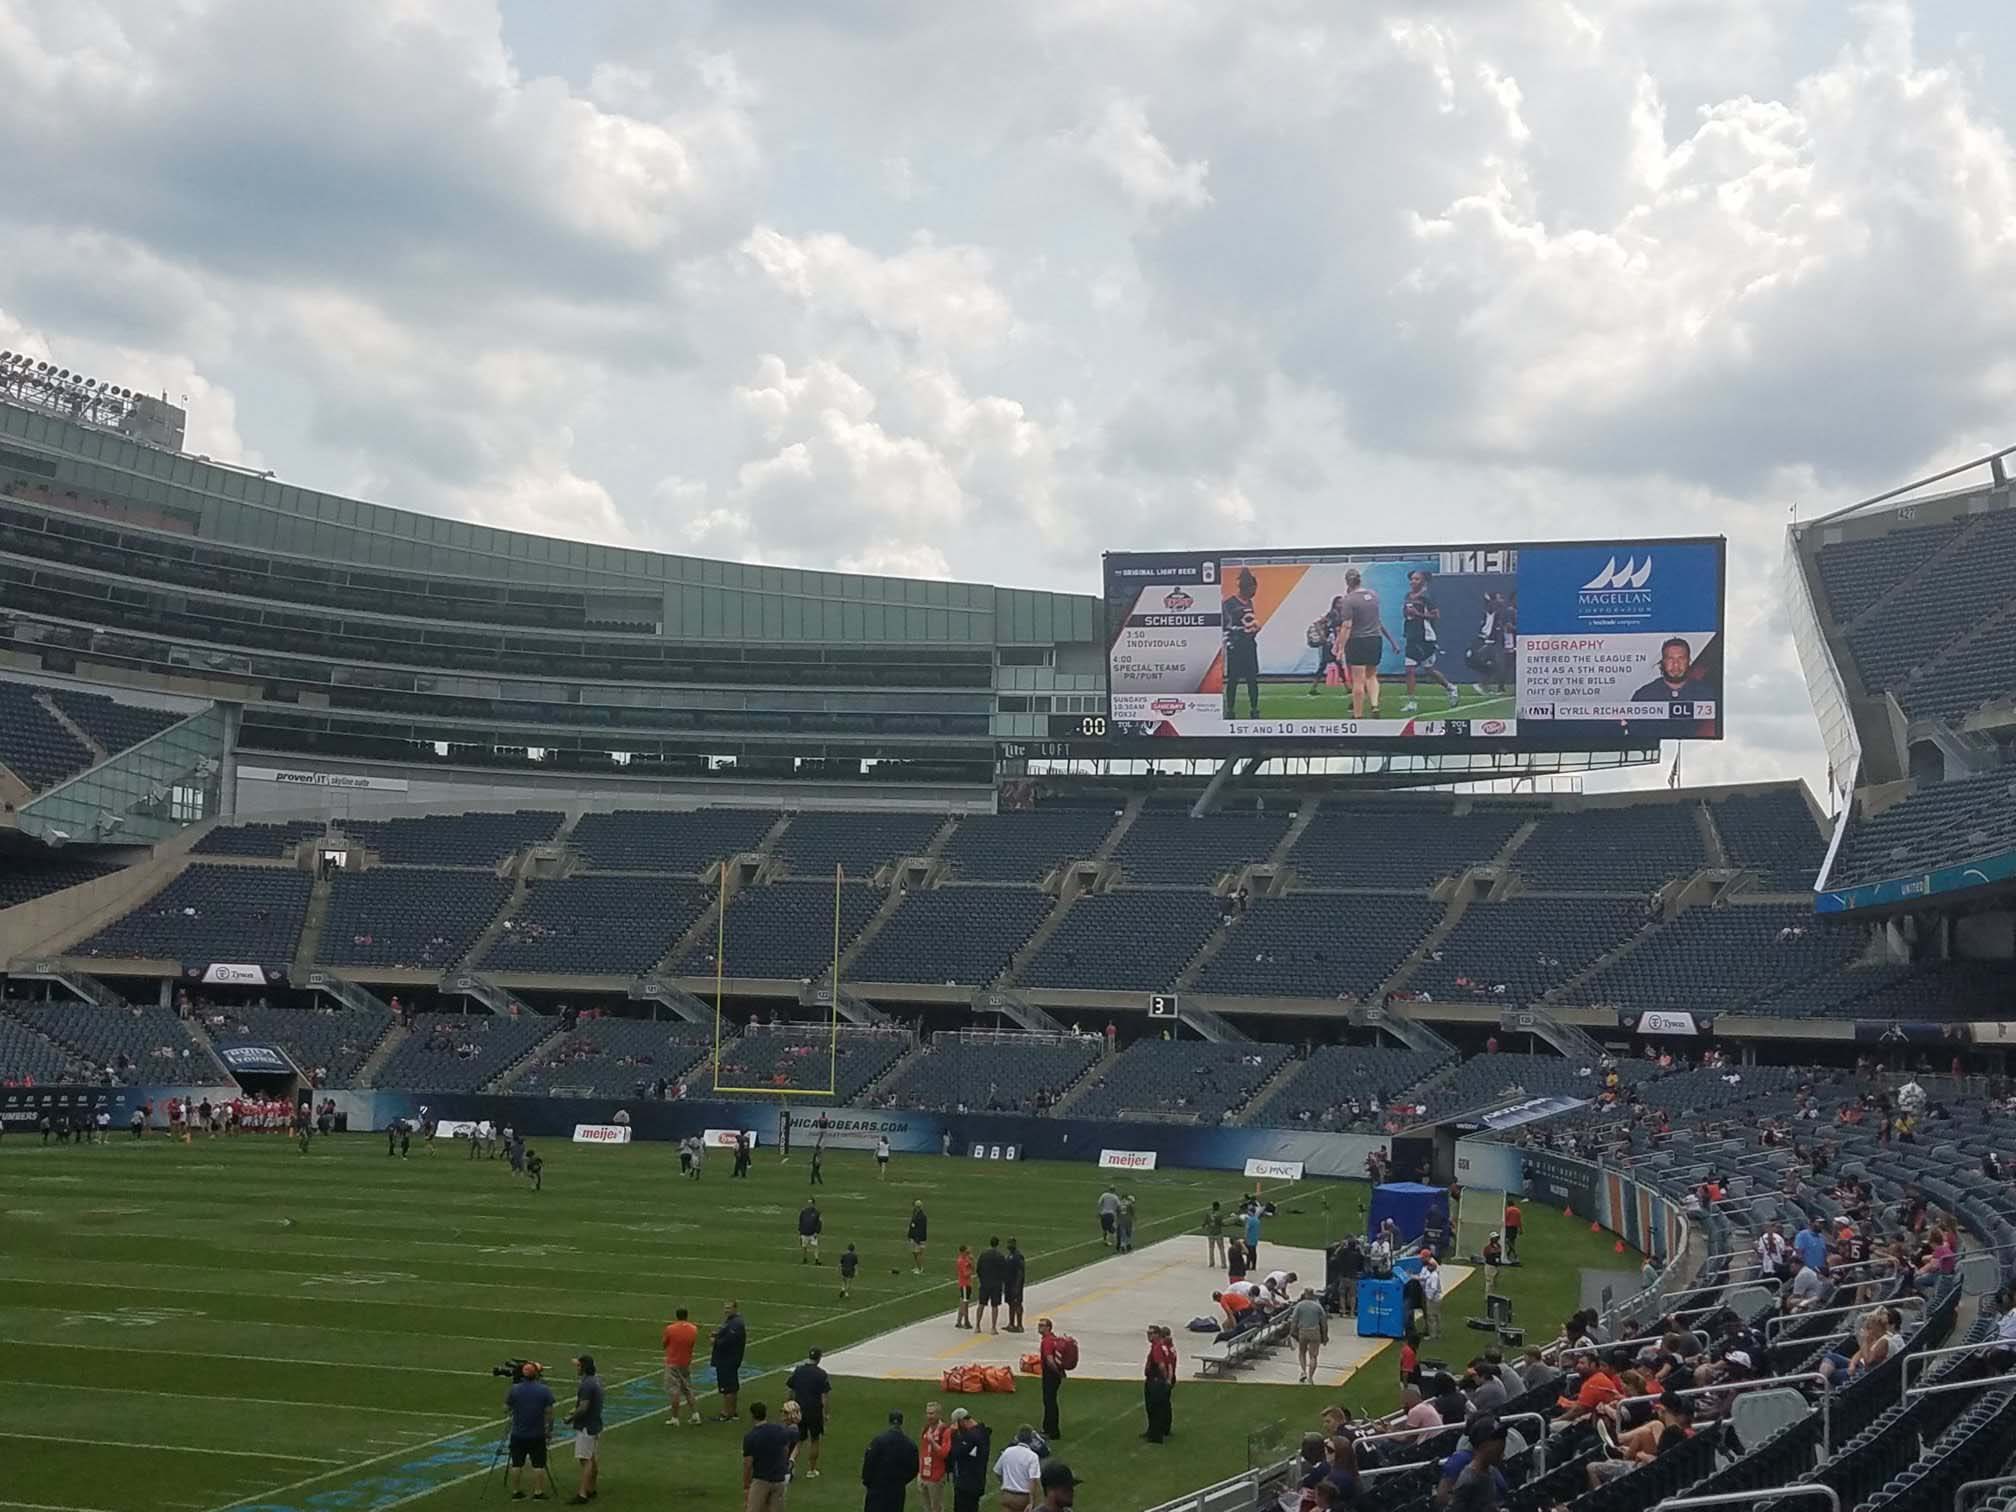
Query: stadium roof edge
[[1994, 461]]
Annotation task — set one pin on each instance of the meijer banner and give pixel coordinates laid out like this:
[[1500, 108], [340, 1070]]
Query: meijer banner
[[1126, 1160]]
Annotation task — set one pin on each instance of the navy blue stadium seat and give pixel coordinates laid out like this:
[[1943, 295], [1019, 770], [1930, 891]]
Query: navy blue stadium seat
[[211, 913]]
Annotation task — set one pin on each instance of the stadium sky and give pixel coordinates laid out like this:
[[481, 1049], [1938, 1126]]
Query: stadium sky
[[983, 290]]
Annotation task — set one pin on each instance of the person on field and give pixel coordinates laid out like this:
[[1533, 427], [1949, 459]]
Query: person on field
[[731, 1343], [810, 1225], [812, 1389], [680, 1337], [529, 1403], [918, 1231]]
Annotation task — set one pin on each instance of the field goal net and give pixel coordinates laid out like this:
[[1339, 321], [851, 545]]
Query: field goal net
[[1479, 1214]]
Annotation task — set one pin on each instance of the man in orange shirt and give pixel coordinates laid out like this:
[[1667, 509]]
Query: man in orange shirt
[[962, 1270], [680, 1337], [1513, 1219], [1597, 1387]]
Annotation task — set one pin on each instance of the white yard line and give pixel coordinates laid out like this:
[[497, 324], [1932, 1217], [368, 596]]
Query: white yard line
[[211, 1396], [52, 1438]]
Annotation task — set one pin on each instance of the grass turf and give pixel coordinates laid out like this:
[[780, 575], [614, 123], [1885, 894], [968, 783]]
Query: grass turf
[[1280, 701], [234, 1323]]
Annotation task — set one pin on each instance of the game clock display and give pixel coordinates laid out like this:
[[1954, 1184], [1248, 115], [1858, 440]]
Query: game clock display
[[1548, 644]]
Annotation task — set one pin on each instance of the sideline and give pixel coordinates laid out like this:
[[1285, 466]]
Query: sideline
[[472, 1452]]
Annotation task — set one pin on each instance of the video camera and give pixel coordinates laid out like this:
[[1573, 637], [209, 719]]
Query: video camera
[[512, 1370]]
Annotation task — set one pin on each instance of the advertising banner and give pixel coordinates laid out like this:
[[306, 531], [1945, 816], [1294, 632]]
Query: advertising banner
[[255, 1060], [294, 778], [230, 974], [602, 1134], [852, 1128], [456, 1128], [724, 1139], [1596, 643], [1661, 1021], [1274, 1170], [1127, 1160]]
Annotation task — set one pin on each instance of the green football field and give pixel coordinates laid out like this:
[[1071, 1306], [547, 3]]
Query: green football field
[[1295, 701], [232, 1324]]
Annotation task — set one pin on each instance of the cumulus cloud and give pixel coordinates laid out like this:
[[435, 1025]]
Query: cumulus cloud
[[1122, 143], [856, 287]]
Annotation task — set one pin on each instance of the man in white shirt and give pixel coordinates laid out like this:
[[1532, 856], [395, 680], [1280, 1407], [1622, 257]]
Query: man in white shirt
[[1278, 1283], [1380, 1257], [1807, 1288], [1771, 1248], [1018, 1468], [1431, 1295]]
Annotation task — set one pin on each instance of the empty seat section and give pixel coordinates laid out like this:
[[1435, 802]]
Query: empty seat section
[[1123, 941], [114, 725], [785, 929], [1631, 849], [1939, 824], [211, 913], [1855, 574], [986, 1072], [25, 878], [460, 1052], [1319, 944], [813, 844], [1024, 847], [1519, 949], [952, 934], [417, 919], [137, 1043], [453, 839], [596, 926], [811, 1059], [33, 745], [1322, 1091], [30, 1058], [329, 1044], [1484, 1078], [1774, 835], [1165, 848], [663, 840], [258, 841], [1190, 1081], [1718, 959], [1396, 844], [614, 1057]]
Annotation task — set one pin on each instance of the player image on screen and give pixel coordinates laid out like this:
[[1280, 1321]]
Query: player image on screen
[[1673, 684], [1242, 646], [1365, 639], [1323, 637], [1497, 638], [1424, 639]]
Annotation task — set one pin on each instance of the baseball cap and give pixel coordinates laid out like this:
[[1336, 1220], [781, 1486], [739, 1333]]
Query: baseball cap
[[1738, 1357], [1057, 1473]]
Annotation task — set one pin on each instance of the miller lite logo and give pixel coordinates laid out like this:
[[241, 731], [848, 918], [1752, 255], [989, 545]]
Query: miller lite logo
[[1176, 601]]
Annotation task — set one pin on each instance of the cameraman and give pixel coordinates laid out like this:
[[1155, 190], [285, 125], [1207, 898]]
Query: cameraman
[[586, 1421], [530, 1403]]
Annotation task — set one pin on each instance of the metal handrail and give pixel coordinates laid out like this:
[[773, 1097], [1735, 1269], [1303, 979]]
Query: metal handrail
[[1412, 1433], [1985, 1383], [1993, 1483], [1904, 1375], [1835, 1312], [1803, 1378], [1730, 1498]]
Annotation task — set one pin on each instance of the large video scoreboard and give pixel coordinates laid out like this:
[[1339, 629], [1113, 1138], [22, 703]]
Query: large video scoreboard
[[1536, 645]]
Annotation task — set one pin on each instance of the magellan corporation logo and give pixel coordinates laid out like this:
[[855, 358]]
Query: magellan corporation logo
[[1617, 594], [1176, 601]]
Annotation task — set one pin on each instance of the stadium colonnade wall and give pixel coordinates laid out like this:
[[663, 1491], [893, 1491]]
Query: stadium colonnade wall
[[1639, 1214]]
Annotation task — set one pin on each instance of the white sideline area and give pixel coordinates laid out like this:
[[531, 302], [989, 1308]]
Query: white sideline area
[[1107, 1307]]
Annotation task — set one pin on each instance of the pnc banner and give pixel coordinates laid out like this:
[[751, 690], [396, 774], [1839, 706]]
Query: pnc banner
[[603, 1134], [1126, 1160], [1275, 1170]]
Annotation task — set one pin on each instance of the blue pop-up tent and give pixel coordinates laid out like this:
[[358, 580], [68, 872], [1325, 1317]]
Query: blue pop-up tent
[[1414, 1208]]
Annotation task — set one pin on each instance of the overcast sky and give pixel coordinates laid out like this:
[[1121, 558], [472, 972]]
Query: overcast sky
[[982, 291]]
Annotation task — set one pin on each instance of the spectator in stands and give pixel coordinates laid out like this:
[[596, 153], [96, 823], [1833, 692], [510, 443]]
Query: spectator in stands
[[1487, 1391], [1673, 1426], [1595, 1385], [1811, 1244], [1418, 1411], [1807, 1291]]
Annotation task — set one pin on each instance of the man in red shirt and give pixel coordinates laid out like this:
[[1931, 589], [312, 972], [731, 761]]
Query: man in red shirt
[[1051, 1350], [1160, 1383], [962, 1270], [934, 1448]]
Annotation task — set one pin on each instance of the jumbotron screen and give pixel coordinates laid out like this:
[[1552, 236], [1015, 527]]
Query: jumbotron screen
[[1553, 645]]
